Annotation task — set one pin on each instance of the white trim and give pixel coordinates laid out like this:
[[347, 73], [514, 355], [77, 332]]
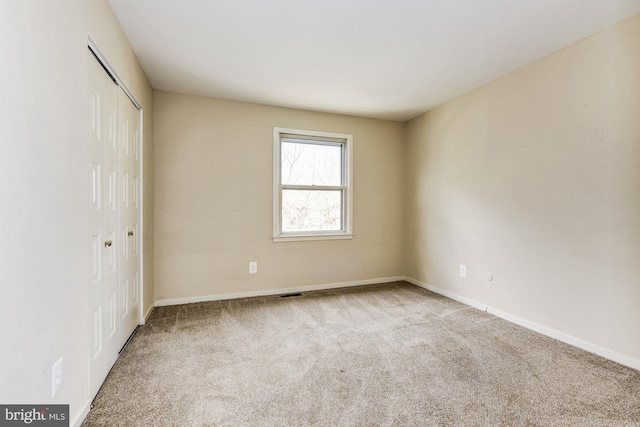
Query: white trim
[[146, 315], [141, 320], [307, 237], [348, 161], [347, 187], [544, 330], [249, 294], [81, 417], [447, 294], [277, 206], [314, 187], [568, 339], [552, 333]]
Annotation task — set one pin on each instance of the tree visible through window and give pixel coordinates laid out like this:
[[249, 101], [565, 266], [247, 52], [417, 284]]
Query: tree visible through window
[[313, 184]]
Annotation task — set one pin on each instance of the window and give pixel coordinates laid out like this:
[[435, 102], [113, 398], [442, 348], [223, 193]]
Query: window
[[312, 185]]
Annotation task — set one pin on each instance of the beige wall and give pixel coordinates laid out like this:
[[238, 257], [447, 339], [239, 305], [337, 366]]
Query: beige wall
[[44, 191], [214, 192], [535, 178]]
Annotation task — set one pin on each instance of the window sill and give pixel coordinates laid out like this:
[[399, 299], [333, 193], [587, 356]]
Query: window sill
[[307, 237]]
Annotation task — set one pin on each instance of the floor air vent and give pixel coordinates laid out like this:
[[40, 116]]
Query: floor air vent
[[290, 295]]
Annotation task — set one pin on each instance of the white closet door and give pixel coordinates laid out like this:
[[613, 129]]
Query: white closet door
[[129, 217], [103, 223], [114, 206], [135, 232]]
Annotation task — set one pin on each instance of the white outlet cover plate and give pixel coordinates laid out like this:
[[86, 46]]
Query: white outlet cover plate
[[463, 270]]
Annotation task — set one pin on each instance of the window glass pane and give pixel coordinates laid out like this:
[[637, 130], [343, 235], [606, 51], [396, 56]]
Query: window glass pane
[[310, 210], [311, 164]]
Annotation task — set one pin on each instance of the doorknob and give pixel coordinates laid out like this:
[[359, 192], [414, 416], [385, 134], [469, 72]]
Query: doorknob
[[108, 243], [130, 233]]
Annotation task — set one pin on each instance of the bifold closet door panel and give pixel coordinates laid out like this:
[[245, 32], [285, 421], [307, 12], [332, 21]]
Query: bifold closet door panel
[[129, 217], [103, 222]]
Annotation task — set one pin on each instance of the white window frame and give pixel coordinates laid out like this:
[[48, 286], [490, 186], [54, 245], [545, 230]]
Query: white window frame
[[347, 176]]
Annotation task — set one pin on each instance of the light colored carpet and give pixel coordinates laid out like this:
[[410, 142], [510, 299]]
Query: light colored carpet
[[382, 355]]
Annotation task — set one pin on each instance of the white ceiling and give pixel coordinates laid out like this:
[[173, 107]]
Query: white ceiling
[[373, 58]]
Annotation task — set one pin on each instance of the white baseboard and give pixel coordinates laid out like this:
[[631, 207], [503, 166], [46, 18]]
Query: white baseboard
[[80, 418], [447, 294], [560, 336], [146, 315], [568, 339], [248, 294]]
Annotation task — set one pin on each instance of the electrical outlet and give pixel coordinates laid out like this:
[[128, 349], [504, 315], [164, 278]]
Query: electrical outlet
[[253, 267], [463, 270], [56, 377]]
